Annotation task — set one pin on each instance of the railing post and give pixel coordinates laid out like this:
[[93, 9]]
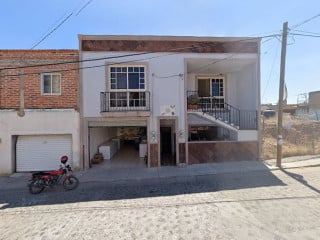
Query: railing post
[[239, 119], [102, 106]]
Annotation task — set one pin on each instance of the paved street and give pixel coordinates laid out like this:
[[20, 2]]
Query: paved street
[[278, 204]]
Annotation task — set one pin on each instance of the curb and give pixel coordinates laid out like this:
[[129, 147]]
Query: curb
[[16, 184]]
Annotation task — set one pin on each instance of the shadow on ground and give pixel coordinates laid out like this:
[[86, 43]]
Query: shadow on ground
[[133, 189], [299, 178]]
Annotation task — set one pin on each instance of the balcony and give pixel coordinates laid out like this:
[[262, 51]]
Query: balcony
[[124, 102], [222, 111]]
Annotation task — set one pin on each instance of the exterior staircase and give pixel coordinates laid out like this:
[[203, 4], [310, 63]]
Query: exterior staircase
[[224, 114], [218, 121]]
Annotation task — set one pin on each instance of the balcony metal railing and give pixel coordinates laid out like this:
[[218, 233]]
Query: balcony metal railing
[[124, 101], [218, 108]]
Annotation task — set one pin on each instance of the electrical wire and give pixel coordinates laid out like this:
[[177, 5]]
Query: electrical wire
[[169, 76], [197, 70], [271, 70], [84, 6], [60, 24], [114, 64], [304, 35], [201, 45], [52, 31], [301, 31], [90, 67], [305, 21]]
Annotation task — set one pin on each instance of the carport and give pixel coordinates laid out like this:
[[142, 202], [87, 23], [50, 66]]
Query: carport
[[122, 143]]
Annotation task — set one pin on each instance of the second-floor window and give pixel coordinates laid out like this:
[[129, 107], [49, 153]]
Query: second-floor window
[[127, 86], [127, 78], [211, 91], [51, 84]]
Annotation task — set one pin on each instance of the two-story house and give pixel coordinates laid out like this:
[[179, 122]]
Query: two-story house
[[39, 116], [174, 100]]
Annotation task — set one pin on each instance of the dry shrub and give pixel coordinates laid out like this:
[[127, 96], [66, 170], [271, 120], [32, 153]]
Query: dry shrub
[[300, 137]]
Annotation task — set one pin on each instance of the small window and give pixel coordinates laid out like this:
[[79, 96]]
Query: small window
[[51, 84]]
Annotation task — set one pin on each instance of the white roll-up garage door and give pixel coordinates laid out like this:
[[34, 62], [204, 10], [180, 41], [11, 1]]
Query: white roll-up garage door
[[42, 152]]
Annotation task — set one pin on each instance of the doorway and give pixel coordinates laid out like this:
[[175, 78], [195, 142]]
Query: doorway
[[167, 142]]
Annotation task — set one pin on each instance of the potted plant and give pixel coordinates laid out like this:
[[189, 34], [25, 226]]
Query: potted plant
[[193, 101]]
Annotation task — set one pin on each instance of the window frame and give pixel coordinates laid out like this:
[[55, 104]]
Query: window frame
[[51, 85], [127, 89], [214, 101], [125, 99]]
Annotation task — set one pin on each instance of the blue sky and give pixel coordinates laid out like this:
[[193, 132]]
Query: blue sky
[[25, 23]]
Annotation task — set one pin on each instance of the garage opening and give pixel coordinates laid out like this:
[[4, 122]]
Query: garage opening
[[120, 145], [42, 152]]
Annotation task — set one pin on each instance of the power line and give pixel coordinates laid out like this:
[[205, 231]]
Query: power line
[[84, 6], [52, 31], [304, 35], [61, 23], [72, 62], [212, 63], [301, 31], [305, 21], [90, 67], [271, 70], [197, 70], [201, 45], [117, 63]]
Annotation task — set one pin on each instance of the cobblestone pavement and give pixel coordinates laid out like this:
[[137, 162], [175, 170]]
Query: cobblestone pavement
[[279, 204]]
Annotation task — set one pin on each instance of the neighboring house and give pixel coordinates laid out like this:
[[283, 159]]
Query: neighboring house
[[186, 100], [314, 101], [39, 118]]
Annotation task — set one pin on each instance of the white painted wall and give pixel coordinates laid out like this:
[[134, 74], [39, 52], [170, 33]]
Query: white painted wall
[[248, 135], [167, 86], [164, 83], [232, 91], [191, 82], [241, 87], [36, 122], [247, 89], [99, 135]]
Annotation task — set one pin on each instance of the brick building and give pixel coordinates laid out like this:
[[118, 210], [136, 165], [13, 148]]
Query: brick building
[[39, 117]]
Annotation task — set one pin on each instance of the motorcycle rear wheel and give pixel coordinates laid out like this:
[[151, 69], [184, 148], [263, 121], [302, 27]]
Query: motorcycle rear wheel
[[70, 183], [36, 186]]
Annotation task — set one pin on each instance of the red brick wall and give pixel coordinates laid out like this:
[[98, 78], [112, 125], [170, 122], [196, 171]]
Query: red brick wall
[[10, 85]]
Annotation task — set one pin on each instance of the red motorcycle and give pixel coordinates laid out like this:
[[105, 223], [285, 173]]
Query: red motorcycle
[[41, 180]]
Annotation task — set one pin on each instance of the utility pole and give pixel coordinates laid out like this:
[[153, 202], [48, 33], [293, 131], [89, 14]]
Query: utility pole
[[281, 89], [21, 111]]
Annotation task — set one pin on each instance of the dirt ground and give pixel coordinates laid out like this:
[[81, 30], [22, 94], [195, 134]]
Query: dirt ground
[[300, 137]]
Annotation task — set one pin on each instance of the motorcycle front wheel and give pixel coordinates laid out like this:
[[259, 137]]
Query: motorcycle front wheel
[[36, 186], [70, 183]]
